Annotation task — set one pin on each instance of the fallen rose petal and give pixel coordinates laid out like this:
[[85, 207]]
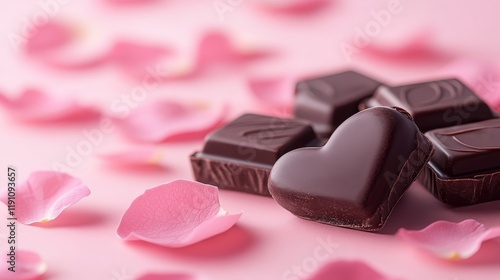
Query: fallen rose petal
[[418, 48], [217, 47], [34, 105], [171, 276], [134, 58], [143, 156], [130, 2], [347, 270], [29, 266], [176, 214], [49, 36], [166, 120], [481, 77], [44, 195], [291, 6], [275, 92], [453, 241]]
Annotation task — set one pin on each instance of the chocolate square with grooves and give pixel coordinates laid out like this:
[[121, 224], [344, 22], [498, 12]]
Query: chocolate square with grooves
[[434, 104], [239, 156], [465, 168]]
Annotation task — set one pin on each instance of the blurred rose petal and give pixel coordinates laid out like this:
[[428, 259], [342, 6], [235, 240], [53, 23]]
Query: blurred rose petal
[[28, 266], [144, 156], [347, 270], [134, 58], [483, 78], [34, 105], [49, 36], [453, 241], [291, 6], [419, 48], [168, 120], [130, 2], [274, 93], [171, 276], [176, 214], [44, 195], [217, 47]]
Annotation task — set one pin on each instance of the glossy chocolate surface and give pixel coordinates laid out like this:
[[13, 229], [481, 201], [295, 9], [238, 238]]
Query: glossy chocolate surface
[[329, 100], [239, 156], [465, 168], [358, 176], [434, 104], [467, 149]]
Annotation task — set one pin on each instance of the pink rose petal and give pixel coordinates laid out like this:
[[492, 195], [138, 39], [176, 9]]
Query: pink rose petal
[[49, 36], [168, 120], [449, 240], [134, 57], [130, 2], [419, 48], [276, 92], [144, 156], [291, 6], [44, 195], [481, 77], [347, 270], [34, 105], [29, 266], [176, 214], [171, 276]]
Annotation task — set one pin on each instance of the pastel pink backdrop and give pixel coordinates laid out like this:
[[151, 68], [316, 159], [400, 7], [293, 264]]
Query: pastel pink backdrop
[[267, 241]]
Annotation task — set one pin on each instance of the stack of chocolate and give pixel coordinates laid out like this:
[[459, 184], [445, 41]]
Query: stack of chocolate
[[375, 148]]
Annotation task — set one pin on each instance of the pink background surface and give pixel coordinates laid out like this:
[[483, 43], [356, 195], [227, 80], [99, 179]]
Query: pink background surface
[[267, 241]]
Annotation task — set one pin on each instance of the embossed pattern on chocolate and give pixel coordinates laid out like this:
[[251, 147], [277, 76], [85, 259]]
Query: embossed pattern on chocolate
[[465, 168], [239, 156], [434, 104]]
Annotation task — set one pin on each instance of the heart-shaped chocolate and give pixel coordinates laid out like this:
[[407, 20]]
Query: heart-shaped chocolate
[[356, 179]]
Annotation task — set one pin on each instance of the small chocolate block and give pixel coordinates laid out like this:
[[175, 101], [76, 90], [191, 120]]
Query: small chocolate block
[[239, 156], [434, 104], [465, 168], [329, 100]]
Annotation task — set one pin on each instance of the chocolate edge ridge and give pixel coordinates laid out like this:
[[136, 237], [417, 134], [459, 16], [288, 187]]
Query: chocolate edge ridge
[[402, 184], [225, 177], [473, 190]]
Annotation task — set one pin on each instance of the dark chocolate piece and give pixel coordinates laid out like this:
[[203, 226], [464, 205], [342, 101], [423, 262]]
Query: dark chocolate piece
[[465, 168], [356, 179], [239, 156], [434, 104], [329, 100]]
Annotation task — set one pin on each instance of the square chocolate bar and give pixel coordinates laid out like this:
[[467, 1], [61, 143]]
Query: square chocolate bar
[[465, 167], [239, 156], [329, 100], [434, 104]]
